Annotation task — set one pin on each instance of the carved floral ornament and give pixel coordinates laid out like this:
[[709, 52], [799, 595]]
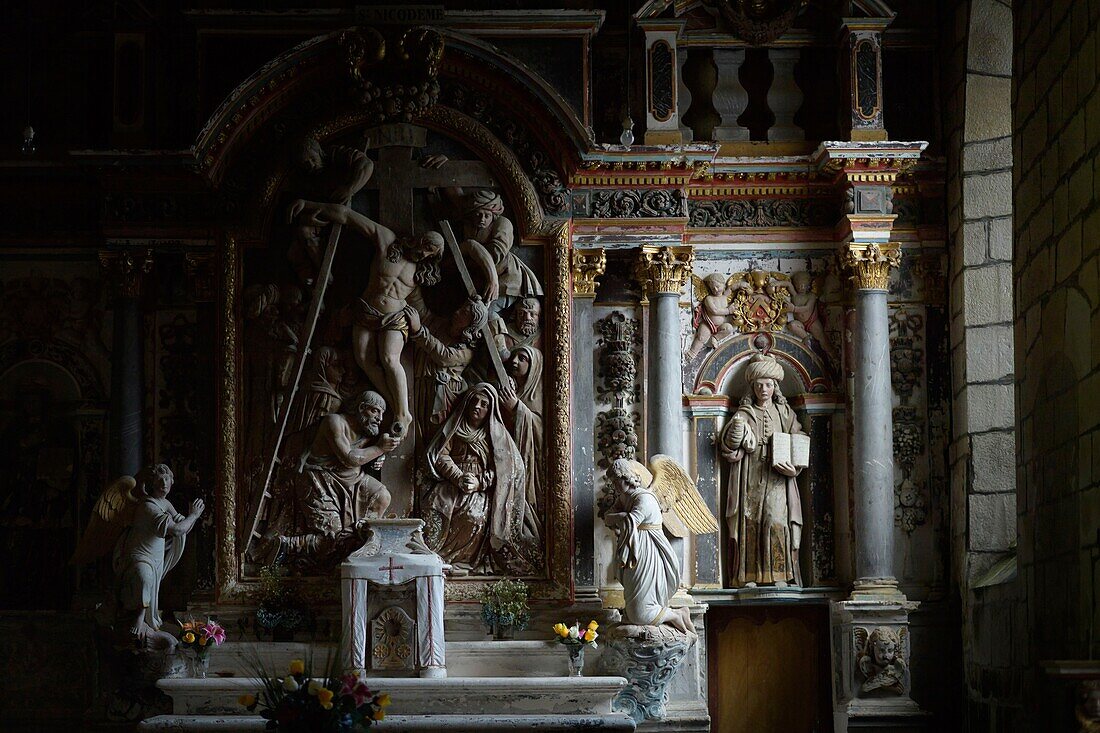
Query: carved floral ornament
[[665, 269], [870, 264], [758, 21], [125, 269], [588, 264]]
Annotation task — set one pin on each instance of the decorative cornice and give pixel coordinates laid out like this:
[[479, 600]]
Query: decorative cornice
[[124, 269], [869, 264], [665, 269], [588, 264]]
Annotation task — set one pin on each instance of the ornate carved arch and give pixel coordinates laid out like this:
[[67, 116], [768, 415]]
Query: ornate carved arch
[[719, 366]]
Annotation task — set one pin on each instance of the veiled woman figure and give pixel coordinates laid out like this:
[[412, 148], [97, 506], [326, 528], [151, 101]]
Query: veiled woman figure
[[476, 512], [321, 394], [763, 509], [523, 415]]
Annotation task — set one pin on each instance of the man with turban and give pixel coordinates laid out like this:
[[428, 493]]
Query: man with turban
[[763, 510], [483, 221]]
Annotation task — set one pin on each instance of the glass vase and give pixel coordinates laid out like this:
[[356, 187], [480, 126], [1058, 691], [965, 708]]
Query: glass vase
[[576, 660], [198, 665]]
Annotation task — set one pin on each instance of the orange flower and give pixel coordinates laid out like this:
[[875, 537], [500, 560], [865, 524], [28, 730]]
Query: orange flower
[[378, 714], [324, 696], [384, 699], [247, 700], [589, 635]]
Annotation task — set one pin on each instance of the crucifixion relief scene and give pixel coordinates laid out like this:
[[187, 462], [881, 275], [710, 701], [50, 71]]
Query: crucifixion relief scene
[[659, 365]]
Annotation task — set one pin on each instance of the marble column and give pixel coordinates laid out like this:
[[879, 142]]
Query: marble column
[[666, 270], [125, 270], [587, 265], [872, 418]]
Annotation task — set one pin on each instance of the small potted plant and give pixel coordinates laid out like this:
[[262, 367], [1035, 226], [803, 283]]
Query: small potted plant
[[279, 612], [504, 608]]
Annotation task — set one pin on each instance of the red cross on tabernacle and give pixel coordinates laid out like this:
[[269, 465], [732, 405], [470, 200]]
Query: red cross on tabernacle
[[391, 567]]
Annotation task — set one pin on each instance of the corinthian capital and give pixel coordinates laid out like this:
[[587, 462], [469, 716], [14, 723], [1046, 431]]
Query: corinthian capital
[[124, 269], [665, 269], [869, 264], [588, 264]]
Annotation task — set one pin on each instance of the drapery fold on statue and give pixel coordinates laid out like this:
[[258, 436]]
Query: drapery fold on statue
[[146, 554], [648, 567]]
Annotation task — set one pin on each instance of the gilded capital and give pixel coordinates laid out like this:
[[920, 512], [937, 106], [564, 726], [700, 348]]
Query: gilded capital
[[124, 269], [665, 269], [588, 264], [869, 264]]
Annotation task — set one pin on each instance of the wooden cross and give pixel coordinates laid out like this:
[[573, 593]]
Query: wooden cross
[[391, 567], [397, 176]]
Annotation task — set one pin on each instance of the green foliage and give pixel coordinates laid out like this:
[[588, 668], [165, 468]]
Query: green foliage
[[504, 603]]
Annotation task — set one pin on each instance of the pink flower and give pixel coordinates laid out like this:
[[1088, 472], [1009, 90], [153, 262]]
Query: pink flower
[[213, 631], [354, 688]]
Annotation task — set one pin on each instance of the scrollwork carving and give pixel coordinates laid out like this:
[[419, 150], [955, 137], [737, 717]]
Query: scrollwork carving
[[760, 213], [635, 203]]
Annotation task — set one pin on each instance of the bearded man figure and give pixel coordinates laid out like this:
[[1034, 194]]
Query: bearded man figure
[[336, 494]]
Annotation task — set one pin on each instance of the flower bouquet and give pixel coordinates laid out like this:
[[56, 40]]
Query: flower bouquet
[[298, 703], [504, 608], [575, 641], [195, 639]]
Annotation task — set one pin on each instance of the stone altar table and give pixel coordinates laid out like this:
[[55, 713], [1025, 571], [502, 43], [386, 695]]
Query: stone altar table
[[396, 627]]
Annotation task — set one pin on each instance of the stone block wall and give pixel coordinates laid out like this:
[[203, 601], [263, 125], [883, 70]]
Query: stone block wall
[[1056, 281], [978, 38]]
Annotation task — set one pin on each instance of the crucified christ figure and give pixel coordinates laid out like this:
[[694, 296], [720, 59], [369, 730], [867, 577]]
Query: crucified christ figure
[[402, 266]]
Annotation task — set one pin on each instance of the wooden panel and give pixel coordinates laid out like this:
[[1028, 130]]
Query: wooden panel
[[769, 669]]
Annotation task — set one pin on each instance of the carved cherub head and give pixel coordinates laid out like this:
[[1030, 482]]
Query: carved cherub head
[[155, 481], [802, 281], [716, 283], [883, 646]]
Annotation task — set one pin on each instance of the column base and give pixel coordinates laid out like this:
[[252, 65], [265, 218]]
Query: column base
[[585, 595], [871, 657]]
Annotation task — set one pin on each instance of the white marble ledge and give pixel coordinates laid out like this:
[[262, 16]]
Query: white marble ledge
[[610, 723], [464, 658], [421, 696]]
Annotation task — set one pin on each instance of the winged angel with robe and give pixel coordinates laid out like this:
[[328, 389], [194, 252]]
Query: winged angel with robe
[[134, 517], [650, 502]]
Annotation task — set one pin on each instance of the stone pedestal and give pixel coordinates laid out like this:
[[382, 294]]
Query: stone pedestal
[[648, 657], [392, 597], [871, 652]]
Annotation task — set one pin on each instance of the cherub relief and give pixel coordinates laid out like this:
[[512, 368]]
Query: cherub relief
[[711, 319], [881, 655], [804, 319]]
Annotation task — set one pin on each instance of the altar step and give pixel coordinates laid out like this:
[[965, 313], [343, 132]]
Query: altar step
[[464, 658], [422, 696], [487, 723]]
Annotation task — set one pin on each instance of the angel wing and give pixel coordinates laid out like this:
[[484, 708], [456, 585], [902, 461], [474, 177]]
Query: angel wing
[[699, 287], [859, 636], [112, 513], [683, 509]]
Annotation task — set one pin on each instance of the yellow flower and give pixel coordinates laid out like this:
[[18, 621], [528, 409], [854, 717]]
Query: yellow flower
[[247, 700], [188, 638], [297, 666], [378, 715], [324, 696], [202, 641], [593, 625], [384, 699], [315, 687], [589, 635]]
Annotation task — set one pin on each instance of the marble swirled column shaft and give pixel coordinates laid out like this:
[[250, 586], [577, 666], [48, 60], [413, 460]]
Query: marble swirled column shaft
[[587, 265], [666, 270], [872, 416], [125, 270]]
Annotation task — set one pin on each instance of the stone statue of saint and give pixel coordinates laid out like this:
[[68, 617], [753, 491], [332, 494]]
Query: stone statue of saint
[[522, 398], [133, 515], [763, 511], [650, 502], [476, 514], [334, 492]]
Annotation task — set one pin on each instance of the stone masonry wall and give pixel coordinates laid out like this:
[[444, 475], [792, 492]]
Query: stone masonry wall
[[1056, 188], [983, 484]]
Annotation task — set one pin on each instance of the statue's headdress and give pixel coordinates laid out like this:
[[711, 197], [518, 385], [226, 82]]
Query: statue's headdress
[[763, 366]]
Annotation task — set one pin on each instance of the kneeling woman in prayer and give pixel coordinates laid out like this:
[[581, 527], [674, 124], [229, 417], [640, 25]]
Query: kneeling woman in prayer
[[476, 513]]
